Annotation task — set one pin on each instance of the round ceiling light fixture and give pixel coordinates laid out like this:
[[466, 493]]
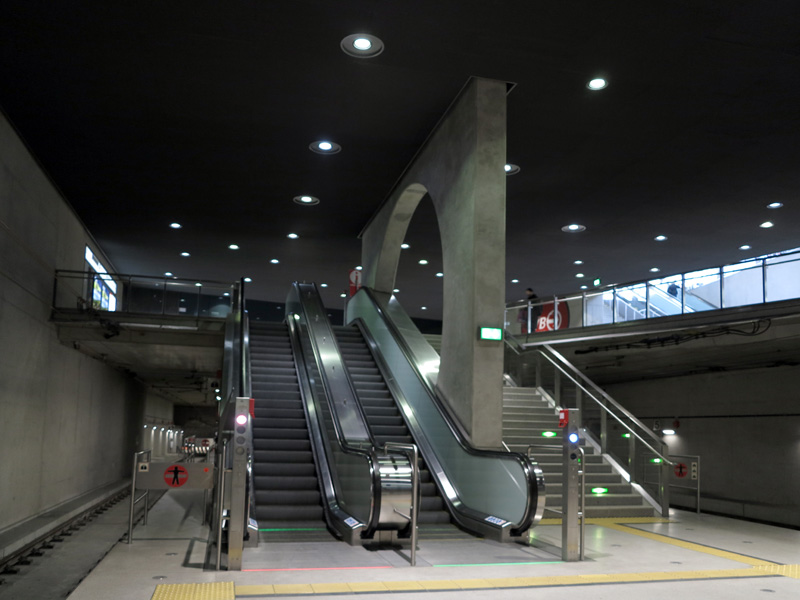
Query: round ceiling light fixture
[[515, 281], [405, 246], [573, 228], [175, 225], [422, 261], [745, 247], [767, 225], [655, 270], [306, 200], [775, 205], [185, 254], [578, 262], [511, 169], [325, 147], [292, 236], [597, 84], [233, 246], [274, 261], [660, 238], [361, 45], [248, 279]]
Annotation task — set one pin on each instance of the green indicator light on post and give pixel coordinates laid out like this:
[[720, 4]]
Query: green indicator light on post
[[655, 460], [599, 490], [549, 434], [626, 435], [494, 334]]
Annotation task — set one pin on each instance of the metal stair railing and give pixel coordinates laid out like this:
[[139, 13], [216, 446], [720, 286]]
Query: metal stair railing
[[641, 455]]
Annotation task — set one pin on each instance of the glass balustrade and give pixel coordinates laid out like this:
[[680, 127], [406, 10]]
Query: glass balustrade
[[755, 281]]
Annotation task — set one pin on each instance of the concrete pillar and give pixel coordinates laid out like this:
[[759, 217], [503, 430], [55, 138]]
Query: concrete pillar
[[461, 167]]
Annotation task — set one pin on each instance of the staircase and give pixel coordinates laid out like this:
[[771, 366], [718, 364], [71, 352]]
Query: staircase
[[286, 488], [526, 416], [383, 416]]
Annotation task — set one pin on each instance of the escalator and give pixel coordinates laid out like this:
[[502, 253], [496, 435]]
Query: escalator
[[383, 416], [499, 495]]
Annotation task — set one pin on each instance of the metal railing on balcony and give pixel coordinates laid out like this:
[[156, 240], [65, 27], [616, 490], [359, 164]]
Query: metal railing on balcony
[[141, 294], [755, 281]]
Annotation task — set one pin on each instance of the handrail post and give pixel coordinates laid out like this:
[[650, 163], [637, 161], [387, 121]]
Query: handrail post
[[412, 453], [604, 427], [665, 472], [133, 496]]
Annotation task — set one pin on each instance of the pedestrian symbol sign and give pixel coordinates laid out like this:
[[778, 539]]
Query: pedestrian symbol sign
[[680, 470], [175, 476]]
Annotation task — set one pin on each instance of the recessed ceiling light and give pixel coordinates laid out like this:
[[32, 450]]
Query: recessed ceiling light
[[578, 275], [440, 274], [767, 224], [655, 270], [660, 238], [361, 45], [175, 225], [405, 246], [226, 294], [234, 246], [359, 267], [323, 285], [274, 261], [578, 262], [306, 200], [168, 274], [745, 247], [422, 261], [185, 254], [247, 280], [511, 169], [584, 287], [199, 284], [515, 281], [396, 290], [325, 147], [597, 84], [774, 204], [424, 307], [292, 236], [573, 228]]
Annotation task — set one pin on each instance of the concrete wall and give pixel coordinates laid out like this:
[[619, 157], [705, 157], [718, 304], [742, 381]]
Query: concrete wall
[[67, 422], [745, 426]]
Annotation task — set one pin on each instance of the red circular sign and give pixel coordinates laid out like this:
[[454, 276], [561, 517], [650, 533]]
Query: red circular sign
[[205, 442], [176, 476], [680, 470]]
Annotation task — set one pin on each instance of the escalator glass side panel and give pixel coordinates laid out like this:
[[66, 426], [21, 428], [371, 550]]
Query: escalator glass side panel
[[351, 486], [492, 484]]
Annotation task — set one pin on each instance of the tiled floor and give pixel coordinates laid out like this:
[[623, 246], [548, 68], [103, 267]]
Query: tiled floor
[[695, 556]]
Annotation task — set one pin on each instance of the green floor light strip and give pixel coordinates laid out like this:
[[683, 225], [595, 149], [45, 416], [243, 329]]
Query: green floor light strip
[[296, 529], [503, 564]]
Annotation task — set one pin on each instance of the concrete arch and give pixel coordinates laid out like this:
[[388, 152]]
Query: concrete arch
[[461, 167]]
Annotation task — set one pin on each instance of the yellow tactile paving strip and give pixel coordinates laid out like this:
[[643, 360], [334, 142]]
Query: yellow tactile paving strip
[[757, 568], [218, 590], [245, 591]]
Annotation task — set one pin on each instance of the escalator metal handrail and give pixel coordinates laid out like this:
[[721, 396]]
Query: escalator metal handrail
[[341, 438], [531, 514], [591, 389], [318, 442]]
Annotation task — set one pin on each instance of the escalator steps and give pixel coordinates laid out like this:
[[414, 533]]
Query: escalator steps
[[383, 417], [285, 478]]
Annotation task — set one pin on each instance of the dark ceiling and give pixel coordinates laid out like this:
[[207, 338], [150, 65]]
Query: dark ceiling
[[201, 112]]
